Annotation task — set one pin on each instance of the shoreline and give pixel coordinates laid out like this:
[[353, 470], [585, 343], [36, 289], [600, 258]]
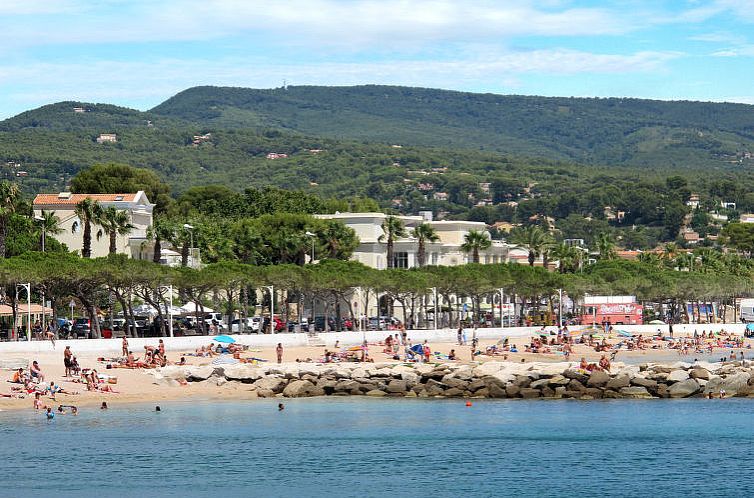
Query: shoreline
[[521, 375]]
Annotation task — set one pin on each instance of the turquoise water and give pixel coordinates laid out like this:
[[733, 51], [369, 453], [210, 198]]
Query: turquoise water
[[384, 447]]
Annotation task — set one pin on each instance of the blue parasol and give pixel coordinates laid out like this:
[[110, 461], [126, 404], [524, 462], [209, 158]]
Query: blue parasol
[[225, 338]]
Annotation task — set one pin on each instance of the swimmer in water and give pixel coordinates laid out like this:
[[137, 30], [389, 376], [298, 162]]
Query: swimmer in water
[[281, 407], [103, 406], [50, 414]]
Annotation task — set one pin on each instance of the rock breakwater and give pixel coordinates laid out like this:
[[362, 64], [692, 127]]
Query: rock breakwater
[[486, 380]]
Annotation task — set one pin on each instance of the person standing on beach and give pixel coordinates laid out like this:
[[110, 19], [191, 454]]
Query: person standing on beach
[[459, 335], [124, 346], [279, 351], [67, 361]]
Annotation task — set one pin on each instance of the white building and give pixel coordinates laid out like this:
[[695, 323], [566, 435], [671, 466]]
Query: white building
[[137, 206], [445, 252]]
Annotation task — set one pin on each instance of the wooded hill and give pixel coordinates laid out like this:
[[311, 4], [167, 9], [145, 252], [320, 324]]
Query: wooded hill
[[586, 130]]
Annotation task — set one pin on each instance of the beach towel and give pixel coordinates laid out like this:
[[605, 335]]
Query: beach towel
[[224, 360]]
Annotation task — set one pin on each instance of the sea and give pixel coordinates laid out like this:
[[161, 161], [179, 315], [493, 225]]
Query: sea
[[365, 447]]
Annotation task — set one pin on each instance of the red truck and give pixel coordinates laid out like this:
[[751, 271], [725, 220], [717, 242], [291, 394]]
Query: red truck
[[616, 310]]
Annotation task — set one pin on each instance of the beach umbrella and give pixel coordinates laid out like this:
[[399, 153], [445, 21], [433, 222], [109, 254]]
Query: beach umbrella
[[225, 338], [657, 322], [624, 333]]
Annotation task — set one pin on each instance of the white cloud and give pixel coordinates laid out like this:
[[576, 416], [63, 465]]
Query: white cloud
[[369, 23], [27, 7], [746, 50]]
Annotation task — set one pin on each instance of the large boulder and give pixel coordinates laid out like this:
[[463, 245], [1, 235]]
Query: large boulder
[[618, 382], [699, 373], [173, 372], [451, 381], [198, 374], [243, 373], [501, 378], [733, 385], [347, 386], [558, 380], [434, 388], [274, 384], [488, 368], [677, 376], [376, 393], [410, 378], [453, 392], [539, 384], [644, 382], [493, 391], [576, 375], [302, 389], [636, 392], [529, 393], [684, 388], [397, 386], [598, 378]]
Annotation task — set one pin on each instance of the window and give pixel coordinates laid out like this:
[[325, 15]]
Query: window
[[400, 260], [434, 258]]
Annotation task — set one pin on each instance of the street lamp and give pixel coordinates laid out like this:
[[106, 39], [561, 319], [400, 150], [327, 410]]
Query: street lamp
[[434, 302], [272, 308], [190, 229], [28, 308], [312, 235], [502, 298]]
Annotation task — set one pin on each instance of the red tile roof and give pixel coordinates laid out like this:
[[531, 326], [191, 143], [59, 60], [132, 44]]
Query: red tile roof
[[47, 199]]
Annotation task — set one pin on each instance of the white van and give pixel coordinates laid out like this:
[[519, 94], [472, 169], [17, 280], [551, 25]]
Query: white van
[[747, 310]]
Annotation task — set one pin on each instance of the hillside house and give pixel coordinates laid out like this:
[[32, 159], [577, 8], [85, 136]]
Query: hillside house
[[276, 155], [107, 138]]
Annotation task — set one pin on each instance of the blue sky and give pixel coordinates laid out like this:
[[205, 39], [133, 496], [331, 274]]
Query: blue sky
[[137, 53]]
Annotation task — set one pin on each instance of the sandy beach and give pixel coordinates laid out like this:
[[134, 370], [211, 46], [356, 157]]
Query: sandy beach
[[138, 385]]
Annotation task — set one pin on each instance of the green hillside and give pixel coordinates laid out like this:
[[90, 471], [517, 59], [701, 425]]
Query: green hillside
[[587, 130], [241, 146]]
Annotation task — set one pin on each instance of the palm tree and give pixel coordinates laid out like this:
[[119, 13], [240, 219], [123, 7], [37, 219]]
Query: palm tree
[[87, 211], [49, 224], [339, 240], [392, 228], [114, 222], [423, 232], [534, 239], [161, 230], [709, 259], [606, 247], [568, 257], [9, 194], [670, 251], [475, 241]]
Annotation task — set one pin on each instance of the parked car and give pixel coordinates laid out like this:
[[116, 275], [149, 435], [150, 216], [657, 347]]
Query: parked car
[[82, 328], [252, 325], [293, 325]]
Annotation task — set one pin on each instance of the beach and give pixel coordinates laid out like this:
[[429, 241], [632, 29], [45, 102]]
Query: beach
[[154, 386]]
